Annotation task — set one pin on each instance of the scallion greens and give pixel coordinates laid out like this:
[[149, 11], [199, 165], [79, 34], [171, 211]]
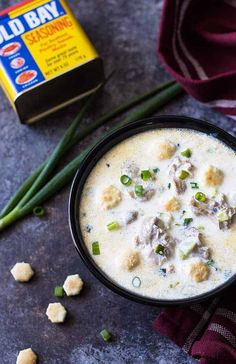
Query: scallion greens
[[125, 180], [146, 175], [114, 225], [105, 335], [96, 248], [38, 188], [139, 190]]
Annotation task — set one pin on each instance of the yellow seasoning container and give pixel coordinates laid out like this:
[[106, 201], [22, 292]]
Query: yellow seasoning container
[[46, 59]]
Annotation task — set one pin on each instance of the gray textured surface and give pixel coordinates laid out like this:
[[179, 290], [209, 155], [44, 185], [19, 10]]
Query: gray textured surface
[[124, 32]]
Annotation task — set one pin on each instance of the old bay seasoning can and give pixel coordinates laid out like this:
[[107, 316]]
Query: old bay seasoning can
[[46, 59]]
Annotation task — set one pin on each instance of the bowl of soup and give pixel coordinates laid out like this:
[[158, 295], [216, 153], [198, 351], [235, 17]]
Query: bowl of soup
[[152, 210]]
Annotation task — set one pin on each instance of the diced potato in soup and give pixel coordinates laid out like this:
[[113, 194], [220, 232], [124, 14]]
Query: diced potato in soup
[[159, 209]]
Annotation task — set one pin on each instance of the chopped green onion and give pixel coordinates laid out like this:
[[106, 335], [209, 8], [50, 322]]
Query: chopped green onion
[[125, 180], [173, 285], [201, 197], [212, 263], [59, 291], [194, 185], [105, 335], [39, 211], [187, 221], [96, 248], [183, 174], [169, 185], [136, 282], [201, 227], [186, 153], [146, 175], [160, 249], [139, 190], [156, 170], [114, 225]]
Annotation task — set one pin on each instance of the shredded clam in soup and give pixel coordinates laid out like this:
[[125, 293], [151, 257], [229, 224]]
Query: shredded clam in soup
[[157, 213]]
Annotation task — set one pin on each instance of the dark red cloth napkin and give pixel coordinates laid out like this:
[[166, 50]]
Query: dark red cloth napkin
[[207, 331], [197, 45]]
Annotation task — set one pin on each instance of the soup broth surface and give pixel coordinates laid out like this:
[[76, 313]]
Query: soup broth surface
[[157, 213]]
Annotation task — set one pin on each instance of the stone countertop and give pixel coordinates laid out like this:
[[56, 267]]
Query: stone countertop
[[124, 33]]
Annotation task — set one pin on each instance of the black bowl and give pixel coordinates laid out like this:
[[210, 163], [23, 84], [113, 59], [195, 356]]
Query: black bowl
[[87, 165]]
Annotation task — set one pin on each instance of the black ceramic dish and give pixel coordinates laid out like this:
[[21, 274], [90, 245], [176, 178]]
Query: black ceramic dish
[[89, 162]]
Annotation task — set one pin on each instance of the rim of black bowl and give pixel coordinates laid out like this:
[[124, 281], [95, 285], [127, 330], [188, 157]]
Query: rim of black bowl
[[104, 145]]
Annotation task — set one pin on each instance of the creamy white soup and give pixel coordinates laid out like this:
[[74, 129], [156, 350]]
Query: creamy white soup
[[157, 213]]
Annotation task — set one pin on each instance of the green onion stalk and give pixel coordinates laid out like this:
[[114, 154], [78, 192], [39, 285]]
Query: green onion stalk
[[78, 137], [40, 175], [36, 190]]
